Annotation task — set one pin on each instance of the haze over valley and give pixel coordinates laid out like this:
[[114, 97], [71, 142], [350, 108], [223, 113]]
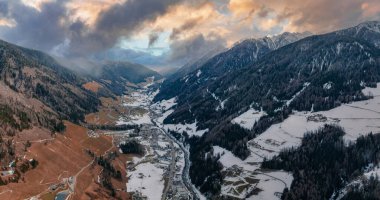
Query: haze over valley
[[174, 99]]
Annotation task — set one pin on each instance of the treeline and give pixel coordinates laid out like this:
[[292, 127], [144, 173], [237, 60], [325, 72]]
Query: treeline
[[343, 90], [205, 169], [108, 172], [106, 163], [13, 117], [324, 163], [123, 127], [369, 189], [16, 117], [235, 138], [230, 136], [7, 150], [132, 146]]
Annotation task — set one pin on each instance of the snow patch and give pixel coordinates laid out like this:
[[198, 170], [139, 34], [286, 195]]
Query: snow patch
[[327, 86], [272, 185], [248, 119], [190, 129], [228, 159], [305, 85], [147, 179], [164, 105], [135, 119], [221, 103], [199, 73], [357, 118]]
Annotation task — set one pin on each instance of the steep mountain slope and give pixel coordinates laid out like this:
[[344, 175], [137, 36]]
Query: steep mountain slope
[[331, 68], [315, 73], [117, 75], [190, 67], [240, 55], [37, 86]]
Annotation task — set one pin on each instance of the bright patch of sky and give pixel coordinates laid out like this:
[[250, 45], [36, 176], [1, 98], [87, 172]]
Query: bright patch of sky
[[141, 43]]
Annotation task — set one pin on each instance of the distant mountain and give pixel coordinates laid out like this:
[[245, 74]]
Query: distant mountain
[[315, 73], [240, 55], [192, 66], [108, 77], [39, 90], [117, 75]]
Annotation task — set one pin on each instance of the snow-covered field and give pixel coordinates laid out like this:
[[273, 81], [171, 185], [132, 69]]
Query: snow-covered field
[[190, 129], [248, 119], [146, 174], [357, 118], [242, 177], [139, 99], [164, 105], [135, 119], [164, 108], [147, 179], [272, 184], [228, 159], [136, 99]]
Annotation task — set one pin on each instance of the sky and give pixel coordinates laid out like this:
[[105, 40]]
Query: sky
[[166, 34]]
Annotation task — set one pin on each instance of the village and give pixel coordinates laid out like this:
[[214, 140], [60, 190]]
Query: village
[[163, 161]]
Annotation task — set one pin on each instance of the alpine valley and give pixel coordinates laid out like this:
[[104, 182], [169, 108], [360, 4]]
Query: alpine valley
[[289, 116]]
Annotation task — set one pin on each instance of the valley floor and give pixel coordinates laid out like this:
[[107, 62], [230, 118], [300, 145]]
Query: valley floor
[[162, 173], [66, 169]]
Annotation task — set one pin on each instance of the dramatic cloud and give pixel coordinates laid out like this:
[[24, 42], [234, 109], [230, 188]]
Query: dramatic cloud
[[120, 20], [184, 51], [188, 25], [166, 33], [313, 15], [40, 28]]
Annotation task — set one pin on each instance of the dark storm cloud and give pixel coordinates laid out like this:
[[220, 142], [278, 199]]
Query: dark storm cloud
[[52, 26], [118, 21], [48, 28], [3, 9], [35, 29], [186, 26], [180, 53], [184, 51]]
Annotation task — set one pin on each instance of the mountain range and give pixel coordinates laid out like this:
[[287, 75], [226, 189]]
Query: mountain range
[[269, 78], [274, 75]]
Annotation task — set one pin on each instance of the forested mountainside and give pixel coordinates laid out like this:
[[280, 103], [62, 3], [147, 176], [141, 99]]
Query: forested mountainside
[[316, 73], [187, 69], [320, 72], [324, 164], [39, 89], [193, 65], [207, 70], [117, 75]]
